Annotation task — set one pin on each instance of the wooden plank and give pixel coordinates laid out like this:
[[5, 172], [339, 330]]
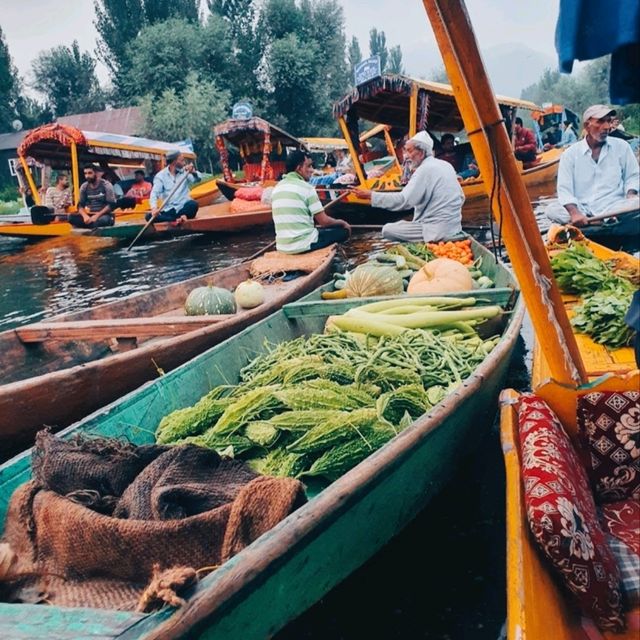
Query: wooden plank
[[332, 307], [116, 328]]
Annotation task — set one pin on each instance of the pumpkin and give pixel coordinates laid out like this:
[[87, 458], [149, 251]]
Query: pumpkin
[[209, 301], [370, 280], [441, 276], [249, 294]]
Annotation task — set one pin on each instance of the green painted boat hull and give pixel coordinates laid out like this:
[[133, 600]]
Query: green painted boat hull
[[292, 566]]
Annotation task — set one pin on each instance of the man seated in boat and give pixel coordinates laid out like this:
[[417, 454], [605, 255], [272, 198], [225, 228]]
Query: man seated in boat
[[596, 175], [448, 151], [298, 216], [140, 190], [567, 138], [525, 146], [182, 206], [433, 192], [96, 203], [58, 197]]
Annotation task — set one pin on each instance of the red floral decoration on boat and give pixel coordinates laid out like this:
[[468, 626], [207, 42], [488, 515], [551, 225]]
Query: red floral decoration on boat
[[224, 159], [62, 133], [609, 433], [562, 515]]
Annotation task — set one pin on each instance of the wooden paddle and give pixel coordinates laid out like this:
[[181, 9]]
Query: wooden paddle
[[631, 207], [157, 213]]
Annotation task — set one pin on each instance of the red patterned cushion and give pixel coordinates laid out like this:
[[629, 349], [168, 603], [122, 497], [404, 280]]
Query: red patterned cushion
[[562, 514], [622, 520], [609, 433]]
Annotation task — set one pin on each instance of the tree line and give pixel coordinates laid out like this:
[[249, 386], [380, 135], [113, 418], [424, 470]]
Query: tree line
[[578, 91], [186, 62]]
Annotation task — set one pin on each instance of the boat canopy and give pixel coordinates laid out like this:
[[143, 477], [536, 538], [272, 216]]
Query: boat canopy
[[255, 139], [387, 100], [323, 145], [51, 144], [253, 130]]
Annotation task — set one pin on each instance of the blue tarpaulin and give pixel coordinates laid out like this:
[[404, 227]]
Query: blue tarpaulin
[[588, 29]]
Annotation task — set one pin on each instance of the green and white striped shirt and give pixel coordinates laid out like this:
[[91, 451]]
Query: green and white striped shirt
[[294, 204]]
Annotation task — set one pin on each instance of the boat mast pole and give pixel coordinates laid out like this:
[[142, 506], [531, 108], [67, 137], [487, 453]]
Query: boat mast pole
[[508, 196]]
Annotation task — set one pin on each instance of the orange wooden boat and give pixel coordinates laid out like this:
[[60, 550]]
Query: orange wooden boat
[[408, 105], [61, 369], [537, 606]]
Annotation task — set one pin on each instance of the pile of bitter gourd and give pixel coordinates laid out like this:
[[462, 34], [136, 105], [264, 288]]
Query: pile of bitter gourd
[[318, 405]]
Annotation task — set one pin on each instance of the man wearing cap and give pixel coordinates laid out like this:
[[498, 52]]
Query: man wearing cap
[[433, 192], [597, 174], [180, 207]]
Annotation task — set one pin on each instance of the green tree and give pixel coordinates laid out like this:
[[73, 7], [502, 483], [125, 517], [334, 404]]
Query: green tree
[[247, 42], [190, 114], [354, 54], [161, 10], [66, 77], [161, 57], [378, 47], [395, 60], [298, 91], [117, 22], [9, 87], [279, 18]]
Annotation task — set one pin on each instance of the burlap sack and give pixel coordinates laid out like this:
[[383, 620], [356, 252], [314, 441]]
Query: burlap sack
[[275, 262], [64, 553]]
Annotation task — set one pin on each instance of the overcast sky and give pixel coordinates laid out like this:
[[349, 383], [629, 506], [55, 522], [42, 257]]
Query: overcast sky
[[32, 25]]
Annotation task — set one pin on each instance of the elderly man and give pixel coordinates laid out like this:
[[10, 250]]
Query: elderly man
[[180, 207], [433, 192], [595, 175], [297, 210]]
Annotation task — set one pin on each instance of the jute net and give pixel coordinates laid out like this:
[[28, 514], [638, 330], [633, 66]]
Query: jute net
[[275, 263], [109, 525]]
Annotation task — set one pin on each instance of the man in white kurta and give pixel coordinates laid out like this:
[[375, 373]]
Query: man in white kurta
[[596, 175], [433, 192]]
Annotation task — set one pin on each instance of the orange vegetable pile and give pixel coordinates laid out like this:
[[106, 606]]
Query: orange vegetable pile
[[460, 250]]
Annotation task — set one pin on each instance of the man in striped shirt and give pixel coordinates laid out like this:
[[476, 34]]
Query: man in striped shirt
[[297, 210]]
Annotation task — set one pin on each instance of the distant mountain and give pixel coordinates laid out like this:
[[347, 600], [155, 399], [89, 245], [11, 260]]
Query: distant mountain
[[511, 67]]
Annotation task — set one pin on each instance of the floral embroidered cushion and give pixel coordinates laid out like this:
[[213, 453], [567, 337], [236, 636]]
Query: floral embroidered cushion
[[609, 433], [622, 520], [562, 514]]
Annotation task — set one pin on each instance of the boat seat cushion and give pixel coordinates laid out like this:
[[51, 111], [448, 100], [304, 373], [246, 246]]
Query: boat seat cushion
[[562, 515], [609, 435], [621, 521]]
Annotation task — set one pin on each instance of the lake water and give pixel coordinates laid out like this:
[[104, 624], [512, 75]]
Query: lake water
[[442, 578]]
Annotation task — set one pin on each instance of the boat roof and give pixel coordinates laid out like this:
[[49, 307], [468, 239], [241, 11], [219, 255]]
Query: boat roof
[[50, 144], [249, 130], [386, 100], [324, 144]]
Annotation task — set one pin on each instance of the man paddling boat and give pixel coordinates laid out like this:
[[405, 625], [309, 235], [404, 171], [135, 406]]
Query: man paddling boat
[[298, 216], [433, 192], [597, 174]]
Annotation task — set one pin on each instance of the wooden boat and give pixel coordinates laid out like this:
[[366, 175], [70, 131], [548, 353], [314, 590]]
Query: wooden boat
[[408, 105], [56, 371], [286, 570], [214, 218], [262, 148], [63, 147], [537, 608]]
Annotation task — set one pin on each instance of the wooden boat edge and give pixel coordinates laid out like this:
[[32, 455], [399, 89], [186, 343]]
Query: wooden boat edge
[[231, 579]]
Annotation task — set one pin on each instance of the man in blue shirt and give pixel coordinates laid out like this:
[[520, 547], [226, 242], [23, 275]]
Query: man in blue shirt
[[595, 175], [181, 206]]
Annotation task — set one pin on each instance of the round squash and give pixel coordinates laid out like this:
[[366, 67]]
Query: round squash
[[441, 275], [370, 280], [209, 301], [249, 294]]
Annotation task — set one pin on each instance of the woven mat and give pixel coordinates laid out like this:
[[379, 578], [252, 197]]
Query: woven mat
[[276, 262]]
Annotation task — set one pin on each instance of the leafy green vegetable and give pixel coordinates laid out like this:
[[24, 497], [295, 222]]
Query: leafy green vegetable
[[601, 316]]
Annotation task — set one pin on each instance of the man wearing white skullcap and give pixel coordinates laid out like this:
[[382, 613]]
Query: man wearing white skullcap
[[433, 192], [596, 175]]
